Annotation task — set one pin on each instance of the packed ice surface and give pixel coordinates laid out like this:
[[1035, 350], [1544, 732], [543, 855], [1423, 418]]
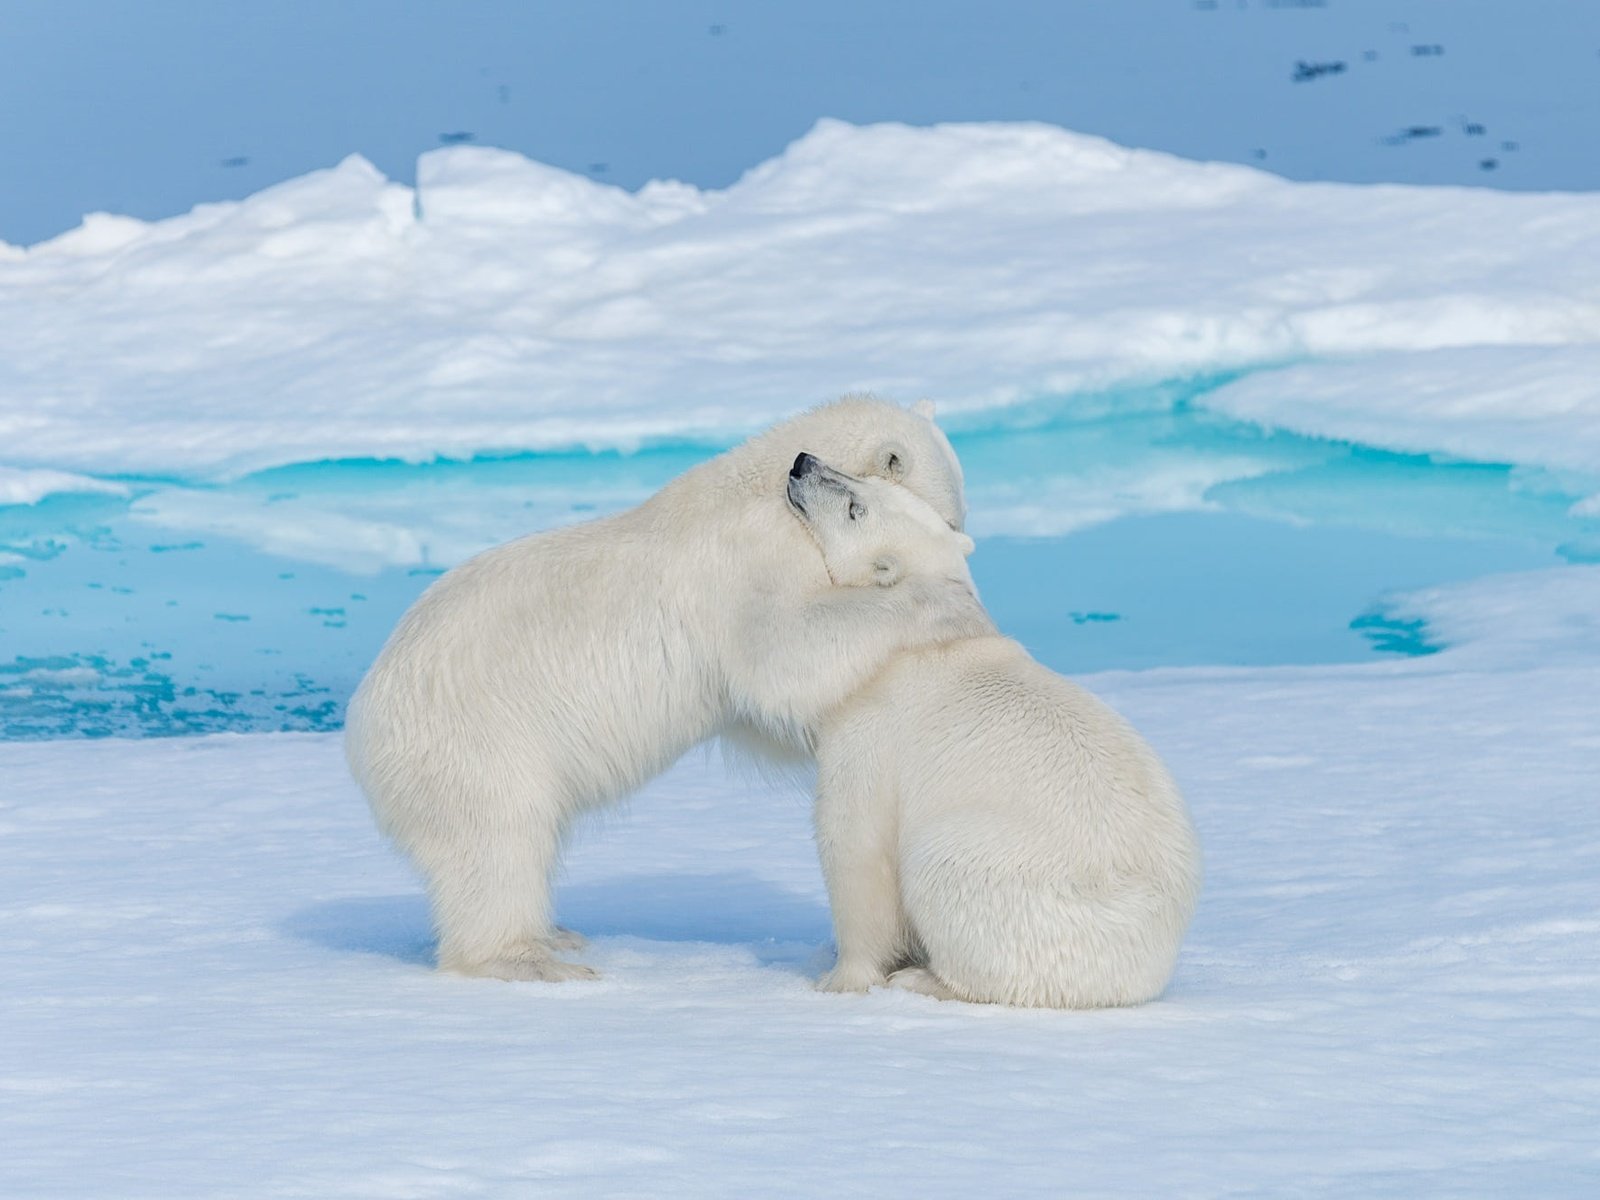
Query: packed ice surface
[[218, 980], [506, 305]]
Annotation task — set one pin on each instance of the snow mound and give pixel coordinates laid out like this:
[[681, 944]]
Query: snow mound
[[507, 305], [31, 486]]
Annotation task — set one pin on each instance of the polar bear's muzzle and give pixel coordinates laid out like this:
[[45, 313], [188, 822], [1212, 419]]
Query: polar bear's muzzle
[[811, 479]]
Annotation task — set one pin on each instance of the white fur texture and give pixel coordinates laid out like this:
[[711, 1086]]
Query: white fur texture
[[988, 830], [556, 673]]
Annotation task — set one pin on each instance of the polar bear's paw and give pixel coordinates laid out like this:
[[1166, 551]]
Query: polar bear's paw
[[548, 970], [920, 979], [533, 966], [567, 939], [851, 977]]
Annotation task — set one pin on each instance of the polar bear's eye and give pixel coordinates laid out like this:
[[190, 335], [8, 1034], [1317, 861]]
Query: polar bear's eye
[[857, 510]]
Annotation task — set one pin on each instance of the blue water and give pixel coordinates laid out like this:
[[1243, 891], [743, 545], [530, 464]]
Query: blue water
[[258, 605]]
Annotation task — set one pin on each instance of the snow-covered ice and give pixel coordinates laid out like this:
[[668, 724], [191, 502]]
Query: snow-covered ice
[[21, 486], [1530, 404], [218, 981], [506, 305]]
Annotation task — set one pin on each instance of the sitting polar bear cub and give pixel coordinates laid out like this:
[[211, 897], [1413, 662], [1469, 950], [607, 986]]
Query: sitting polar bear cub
[[978, 816]]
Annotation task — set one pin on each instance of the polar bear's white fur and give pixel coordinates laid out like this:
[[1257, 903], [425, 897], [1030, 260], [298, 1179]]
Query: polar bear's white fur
[[558, 672], [985, 826]]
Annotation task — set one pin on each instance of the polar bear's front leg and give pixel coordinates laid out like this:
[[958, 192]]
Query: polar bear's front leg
[[795, 660], [856, 827], [868, 924]]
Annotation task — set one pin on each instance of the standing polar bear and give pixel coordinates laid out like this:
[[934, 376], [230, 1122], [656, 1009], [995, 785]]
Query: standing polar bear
[[978, 816], [558, 672]]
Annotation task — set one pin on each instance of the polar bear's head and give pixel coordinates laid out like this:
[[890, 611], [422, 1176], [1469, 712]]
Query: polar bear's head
[[919, 458], [872, 531], [868, 437]]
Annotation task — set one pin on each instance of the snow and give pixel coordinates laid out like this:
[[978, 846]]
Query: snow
[[1520, 618], [218, 980], [1536, 405], [19, 486], [506, 305]]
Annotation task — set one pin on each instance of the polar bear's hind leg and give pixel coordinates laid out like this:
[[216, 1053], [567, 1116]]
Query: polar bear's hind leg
[[489, 882]]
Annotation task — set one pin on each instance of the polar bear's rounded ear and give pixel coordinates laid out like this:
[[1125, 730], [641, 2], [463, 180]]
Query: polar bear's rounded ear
[[923, 409], [891, 462], [886, 570], [967, 545]]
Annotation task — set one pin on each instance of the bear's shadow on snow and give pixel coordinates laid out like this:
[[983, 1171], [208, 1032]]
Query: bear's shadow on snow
[[728, 908], [392, 926]]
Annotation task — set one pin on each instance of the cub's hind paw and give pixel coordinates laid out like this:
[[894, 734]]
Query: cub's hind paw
[[920, 979]]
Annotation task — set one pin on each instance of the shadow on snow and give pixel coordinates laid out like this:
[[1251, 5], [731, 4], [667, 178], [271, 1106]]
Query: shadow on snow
[[728, 908]]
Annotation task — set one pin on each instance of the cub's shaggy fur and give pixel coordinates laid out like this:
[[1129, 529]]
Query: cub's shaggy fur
[[988, 830]]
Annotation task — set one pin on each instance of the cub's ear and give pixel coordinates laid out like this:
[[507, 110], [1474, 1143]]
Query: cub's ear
[[887, 570], [891, 462], [923, 409], [967, 545]]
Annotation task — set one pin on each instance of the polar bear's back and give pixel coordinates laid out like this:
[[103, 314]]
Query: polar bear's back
[[982, 726]]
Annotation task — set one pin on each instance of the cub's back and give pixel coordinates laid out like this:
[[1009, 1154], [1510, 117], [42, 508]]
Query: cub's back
[[985, 744]]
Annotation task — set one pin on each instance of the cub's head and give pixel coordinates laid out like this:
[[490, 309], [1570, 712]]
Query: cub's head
[[872, 531]]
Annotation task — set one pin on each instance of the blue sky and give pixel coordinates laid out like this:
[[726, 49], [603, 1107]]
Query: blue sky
[[149, 108]]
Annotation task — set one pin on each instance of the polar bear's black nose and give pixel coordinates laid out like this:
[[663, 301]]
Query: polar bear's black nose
[[804, 464]]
